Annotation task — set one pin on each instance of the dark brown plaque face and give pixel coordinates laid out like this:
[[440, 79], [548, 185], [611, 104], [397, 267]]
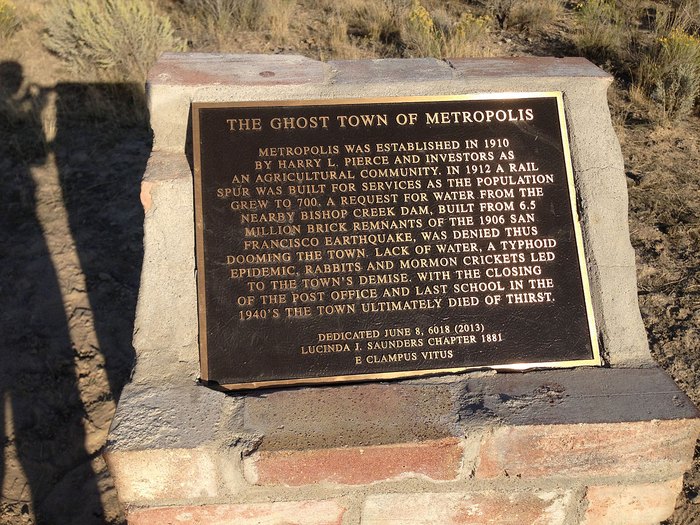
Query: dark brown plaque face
[[359, 239]]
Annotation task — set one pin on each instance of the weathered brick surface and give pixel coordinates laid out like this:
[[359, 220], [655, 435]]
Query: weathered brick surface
[[278, 513], [186, 417], [162, 474], [645, 448], [543, 508], [564, 396], [435, 459], [647, 504]]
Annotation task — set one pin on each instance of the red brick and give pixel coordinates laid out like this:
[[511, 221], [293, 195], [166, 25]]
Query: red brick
[[484, 508], [654, 448], [278, 513], [151, 475], [436, 459], [646, 504]]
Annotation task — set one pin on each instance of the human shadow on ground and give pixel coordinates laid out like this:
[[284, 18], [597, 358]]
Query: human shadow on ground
[[56, 355]]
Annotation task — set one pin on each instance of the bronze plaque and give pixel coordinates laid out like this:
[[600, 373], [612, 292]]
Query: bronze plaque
[[359, 239]]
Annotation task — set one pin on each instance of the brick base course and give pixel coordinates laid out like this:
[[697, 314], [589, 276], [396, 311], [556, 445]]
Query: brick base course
[[479, 508], [646, 504], [593, 474], [646, 448], [151, 475], [288, 513]]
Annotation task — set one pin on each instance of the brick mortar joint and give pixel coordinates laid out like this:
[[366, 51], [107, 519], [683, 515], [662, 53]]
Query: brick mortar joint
[[356, 496]]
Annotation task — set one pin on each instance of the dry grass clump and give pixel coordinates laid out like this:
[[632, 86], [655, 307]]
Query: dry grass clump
[[426, 35], [108, 39], [357, 28], [337, 41], [214, 23], [377, 21], [9, 21], [657, 45], [279, 14], [602, 30], [529, 15], [535, 15], [468, 37], [404, 28]]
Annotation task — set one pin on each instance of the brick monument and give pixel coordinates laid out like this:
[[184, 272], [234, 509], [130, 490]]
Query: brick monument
[[592, 444]]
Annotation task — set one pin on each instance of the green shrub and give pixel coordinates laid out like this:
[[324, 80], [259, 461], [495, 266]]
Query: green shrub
[[109, 39], [670, 74], [9, 22]]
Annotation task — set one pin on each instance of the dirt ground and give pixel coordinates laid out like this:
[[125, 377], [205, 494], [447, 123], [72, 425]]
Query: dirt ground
[[71, 253]]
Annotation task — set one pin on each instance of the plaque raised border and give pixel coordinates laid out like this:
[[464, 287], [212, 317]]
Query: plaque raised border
[[592, 358]]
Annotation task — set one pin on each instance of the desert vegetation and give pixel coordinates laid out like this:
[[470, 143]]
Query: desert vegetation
[[74, 140], [653, 48], [116, 40], [9, 22]]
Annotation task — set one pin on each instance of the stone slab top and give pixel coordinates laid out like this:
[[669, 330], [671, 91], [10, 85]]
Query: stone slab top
[[195, 69], [527, 67]]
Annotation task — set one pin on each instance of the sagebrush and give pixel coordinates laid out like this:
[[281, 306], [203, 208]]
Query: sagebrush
[[109, 39], [670, 73], [9, 21]]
